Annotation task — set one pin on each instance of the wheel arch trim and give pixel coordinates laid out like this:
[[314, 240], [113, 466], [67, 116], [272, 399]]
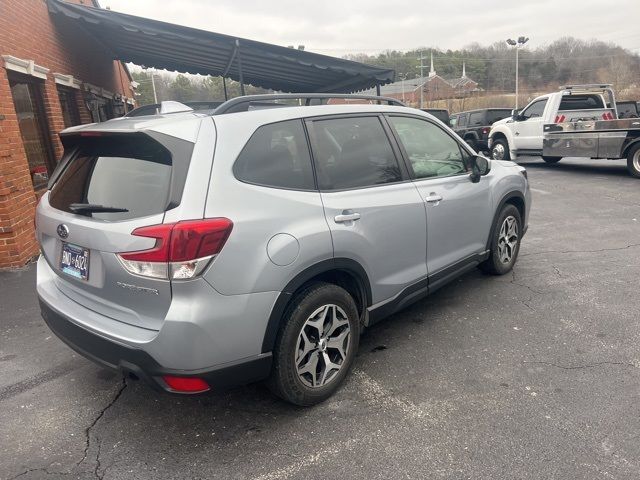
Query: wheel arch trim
[[347, 265], [514, 194], [629, 146]]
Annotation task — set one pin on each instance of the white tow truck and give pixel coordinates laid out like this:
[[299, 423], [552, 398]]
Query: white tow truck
[[522, 134]]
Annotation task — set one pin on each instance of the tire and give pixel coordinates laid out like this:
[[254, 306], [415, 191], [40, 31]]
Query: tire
[[551, 159], [500, 149], [633, 161], [300, 343], [496, 264]]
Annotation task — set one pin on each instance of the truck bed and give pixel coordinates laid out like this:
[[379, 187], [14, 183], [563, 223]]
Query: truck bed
[[592, 139]]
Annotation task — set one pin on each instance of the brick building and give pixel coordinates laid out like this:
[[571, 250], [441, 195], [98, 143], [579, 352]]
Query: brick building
[[50, 78], [434, 87]]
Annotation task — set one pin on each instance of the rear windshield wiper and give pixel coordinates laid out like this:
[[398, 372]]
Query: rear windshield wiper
[[84, 208]]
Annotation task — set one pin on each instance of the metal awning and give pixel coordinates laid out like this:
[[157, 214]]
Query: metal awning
[[151, 43]]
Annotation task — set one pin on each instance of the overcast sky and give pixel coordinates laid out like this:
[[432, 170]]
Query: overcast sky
[[351, 26]]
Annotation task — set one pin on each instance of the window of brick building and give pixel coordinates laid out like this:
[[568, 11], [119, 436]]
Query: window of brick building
[[69, 105], [104, 110], [27, 99]]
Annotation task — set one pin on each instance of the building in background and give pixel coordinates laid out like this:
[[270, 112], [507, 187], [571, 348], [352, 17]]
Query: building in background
[[49, 80], [434, 87]]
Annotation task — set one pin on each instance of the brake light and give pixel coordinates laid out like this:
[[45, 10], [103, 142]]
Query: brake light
[[182, 249], [485, 130], [559, 118], [185, 384]]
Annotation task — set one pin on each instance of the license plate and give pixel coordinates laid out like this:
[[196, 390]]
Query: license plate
[[74, 261]]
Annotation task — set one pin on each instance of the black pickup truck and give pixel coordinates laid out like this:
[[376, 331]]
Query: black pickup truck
[[474, 125]]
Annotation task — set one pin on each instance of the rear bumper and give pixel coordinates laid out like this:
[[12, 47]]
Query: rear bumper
[[128, 359]]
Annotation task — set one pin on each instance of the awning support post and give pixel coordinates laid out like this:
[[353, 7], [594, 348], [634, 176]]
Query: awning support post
[[378, 89], [240, 67], [224, 85]]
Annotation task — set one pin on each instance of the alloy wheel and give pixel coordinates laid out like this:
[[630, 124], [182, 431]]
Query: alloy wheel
[[498, 151], [323, 346], [508, 239]]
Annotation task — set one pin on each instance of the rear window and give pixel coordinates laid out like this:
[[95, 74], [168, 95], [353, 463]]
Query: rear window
[[130, 172], [494, 115], [581, 102], [277, 155]]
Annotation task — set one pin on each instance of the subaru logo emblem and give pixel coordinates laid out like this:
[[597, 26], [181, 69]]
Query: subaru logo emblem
[[63, 230]]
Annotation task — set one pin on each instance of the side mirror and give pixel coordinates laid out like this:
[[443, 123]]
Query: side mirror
[[480, 166], [515, 114]]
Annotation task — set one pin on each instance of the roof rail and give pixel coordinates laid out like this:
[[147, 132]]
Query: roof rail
[[170, 106], [241, 104], [586, 86]]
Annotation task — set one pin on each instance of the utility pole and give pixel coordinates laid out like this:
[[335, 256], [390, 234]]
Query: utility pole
[[421, 67], [153, 86]]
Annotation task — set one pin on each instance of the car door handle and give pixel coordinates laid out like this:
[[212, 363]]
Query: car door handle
[[433, 198], [517, 133], [346, 217]]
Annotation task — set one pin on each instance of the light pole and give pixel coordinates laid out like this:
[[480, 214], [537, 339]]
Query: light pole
[[518, 44], [153, 86], [402, 77]]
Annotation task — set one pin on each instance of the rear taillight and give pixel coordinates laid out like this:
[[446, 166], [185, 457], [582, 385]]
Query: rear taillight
[[182, 250], [607, 116], [559, 119], [485, 130], [185, 384]]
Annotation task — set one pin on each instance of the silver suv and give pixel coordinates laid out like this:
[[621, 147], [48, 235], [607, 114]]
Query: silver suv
[[200, 251]]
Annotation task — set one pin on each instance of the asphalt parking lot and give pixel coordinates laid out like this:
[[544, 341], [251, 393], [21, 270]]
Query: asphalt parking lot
[[532, 375]]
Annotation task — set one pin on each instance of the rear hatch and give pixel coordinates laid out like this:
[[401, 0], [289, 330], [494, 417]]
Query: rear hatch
[[106, 186]]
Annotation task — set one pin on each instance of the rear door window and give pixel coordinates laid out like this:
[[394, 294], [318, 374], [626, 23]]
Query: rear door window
[[462, 120], [131, 172], [277, 155], [353, 152]]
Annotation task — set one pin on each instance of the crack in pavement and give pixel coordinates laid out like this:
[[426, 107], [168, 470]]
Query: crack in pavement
[[87, 445], [589, 365], [582, 251], [87, 431], [96, 471], [524, 285]]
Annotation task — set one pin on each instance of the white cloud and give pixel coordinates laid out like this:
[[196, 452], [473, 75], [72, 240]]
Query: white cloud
[[339, 27]]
